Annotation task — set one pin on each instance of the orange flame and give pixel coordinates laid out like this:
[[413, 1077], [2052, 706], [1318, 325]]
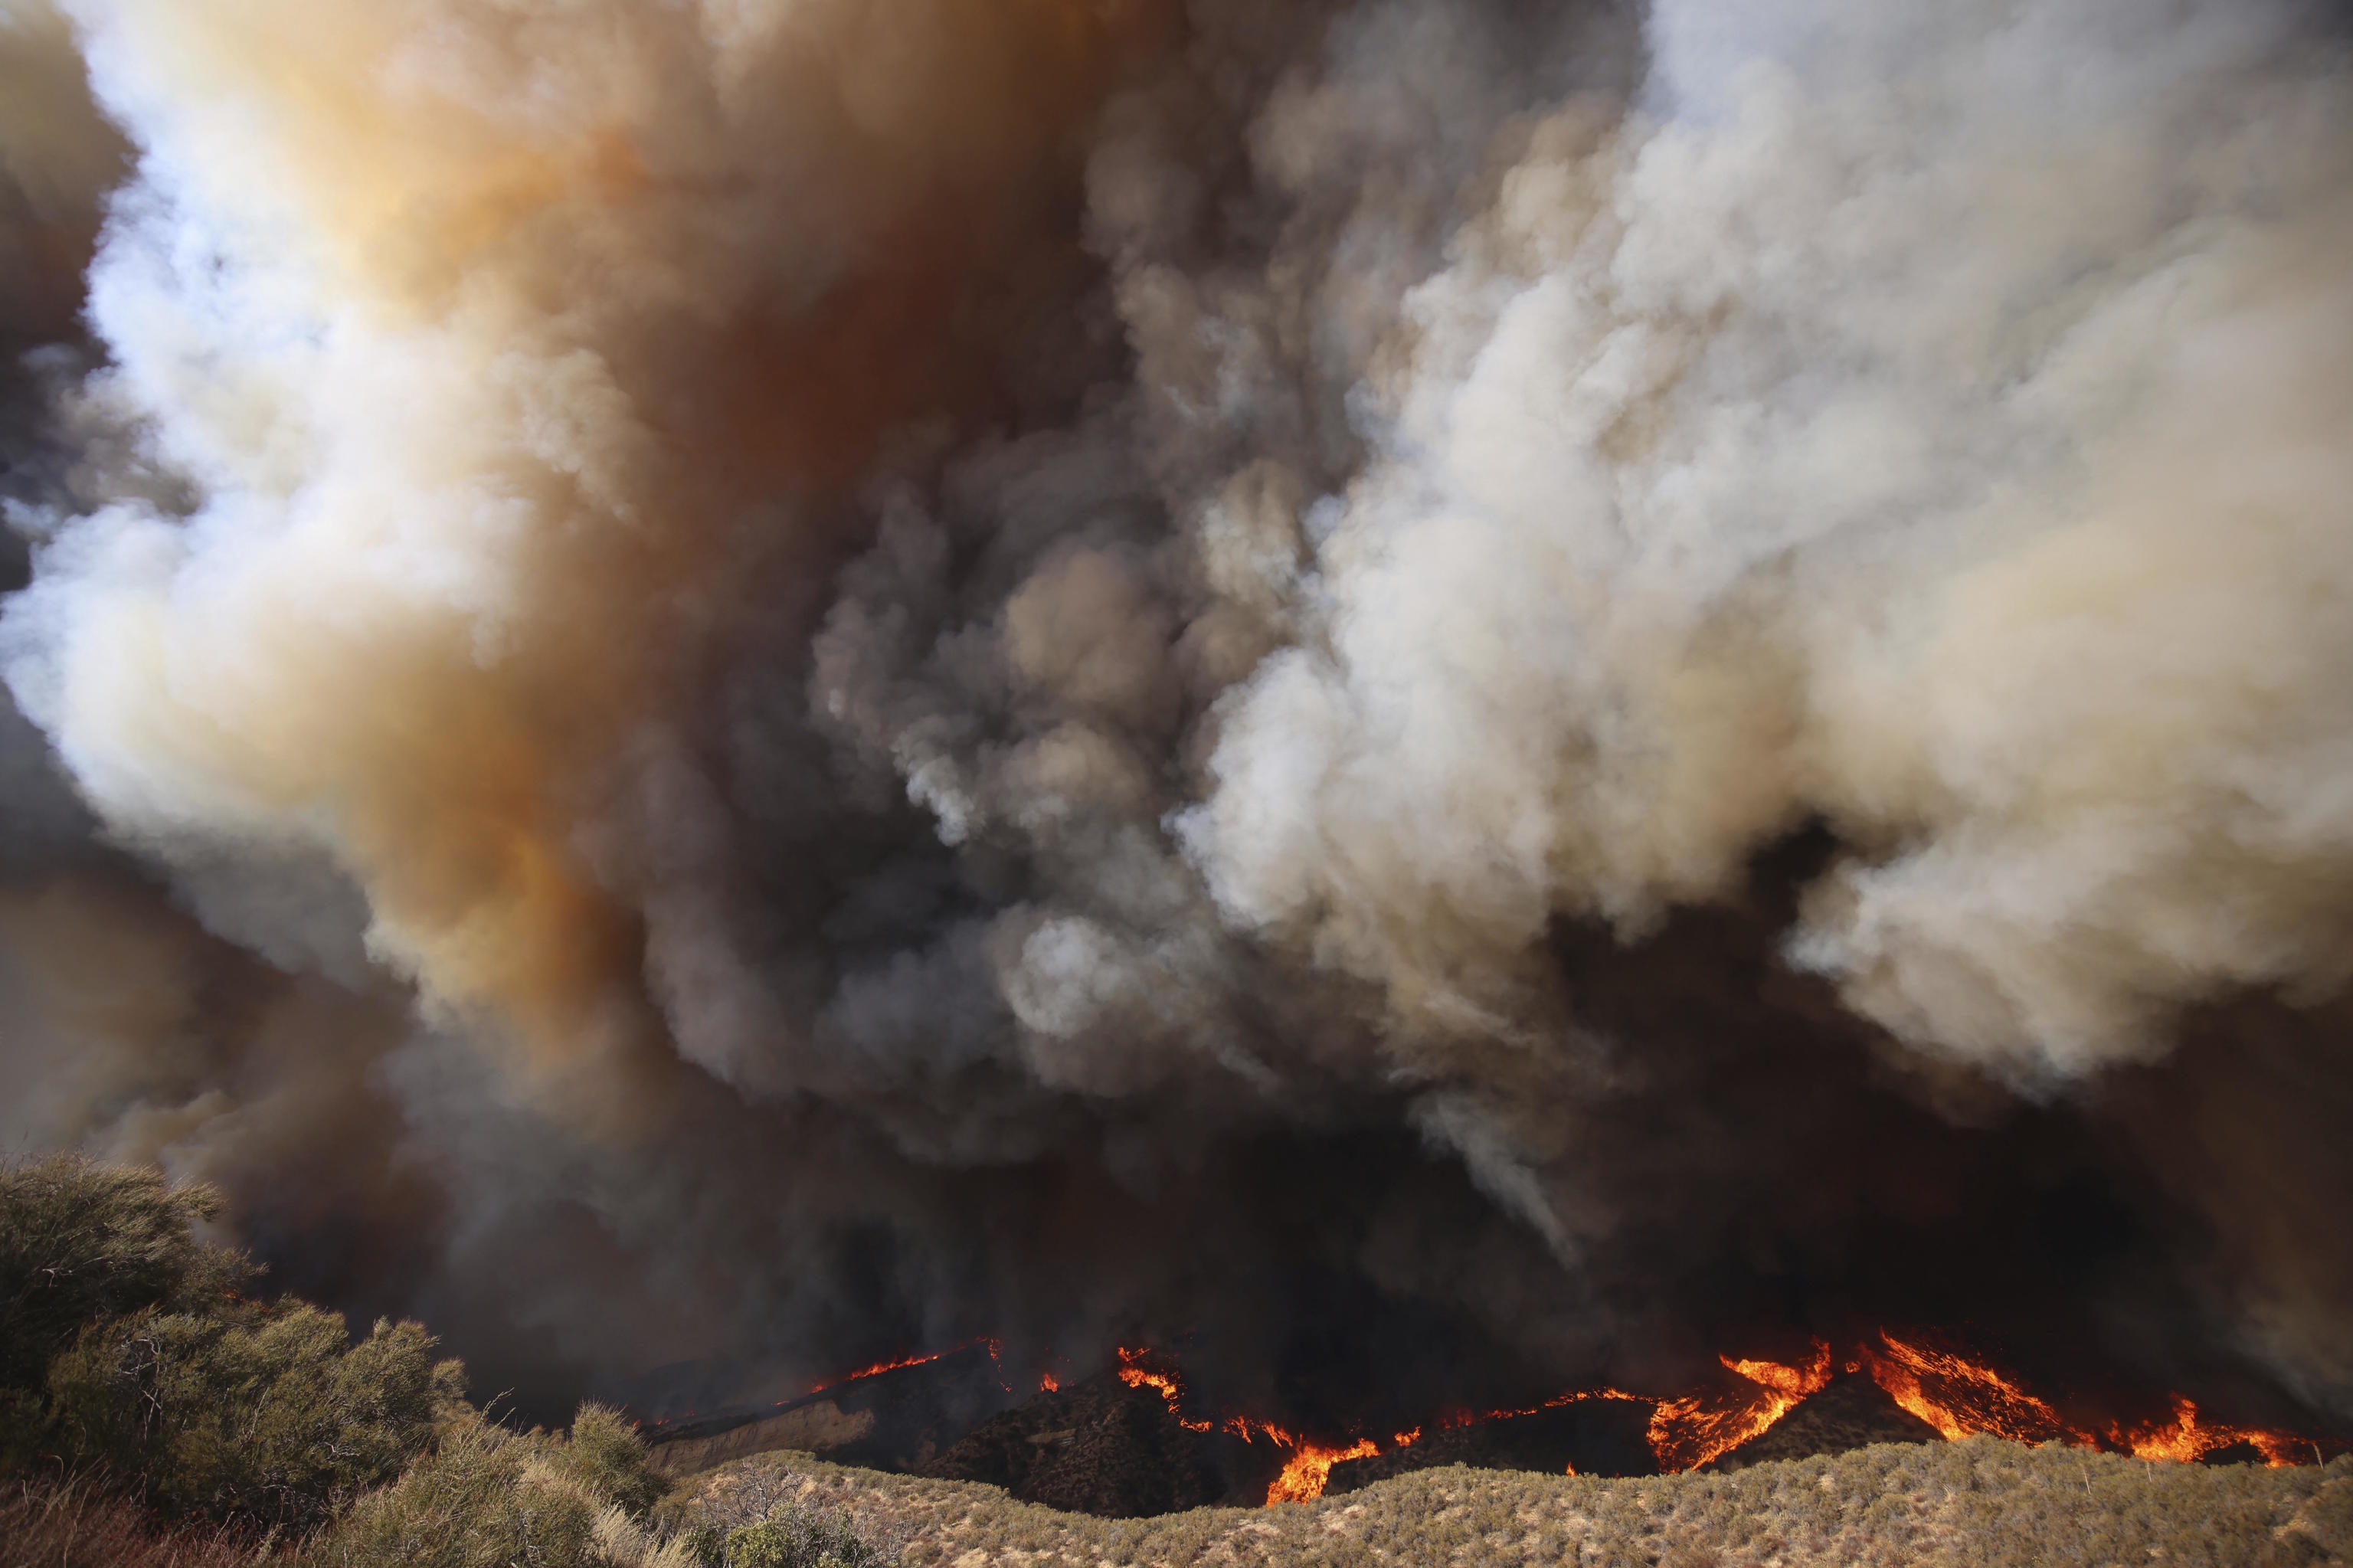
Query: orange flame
[[1688, 1432], [992, 1344], [1305, 1474], [2188, 1438], [1309, 1470], [1958, 1397], [879, 1368], [1574, 1396], [1049, 1384], [1963, 1398], [1168, 1385]]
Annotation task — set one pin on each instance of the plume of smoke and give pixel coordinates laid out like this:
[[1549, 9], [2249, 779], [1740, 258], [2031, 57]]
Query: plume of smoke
[[482, 335], [1886, 435], [947, 621]]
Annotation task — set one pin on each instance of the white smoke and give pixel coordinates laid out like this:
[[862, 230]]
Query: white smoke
[[1933, 424]]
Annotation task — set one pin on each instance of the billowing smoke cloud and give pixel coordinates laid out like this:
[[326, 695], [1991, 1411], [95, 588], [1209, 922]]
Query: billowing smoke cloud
[[1935, 430], [744, 674]]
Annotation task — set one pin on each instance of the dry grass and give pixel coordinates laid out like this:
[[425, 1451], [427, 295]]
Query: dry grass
[[1978, 1504], [51, 1526], [488, 1498]]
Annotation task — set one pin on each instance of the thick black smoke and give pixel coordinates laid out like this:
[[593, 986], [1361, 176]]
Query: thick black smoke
[[1454, 695]]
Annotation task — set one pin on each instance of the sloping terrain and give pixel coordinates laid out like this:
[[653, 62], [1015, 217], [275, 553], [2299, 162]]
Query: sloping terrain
[[1852, 1413], [893, 1418], [1598, 1437], [1104, 1447], [1100, 1447], [820, 1426], [1976, 1504]]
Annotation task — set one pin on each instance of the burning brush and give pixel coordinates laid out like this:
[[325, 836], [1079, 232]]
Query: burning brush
[[1959, 1396]]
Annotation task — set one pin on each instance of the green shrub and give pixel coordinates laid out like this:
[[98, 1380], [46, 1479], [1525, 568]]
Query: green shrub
[[129, 1355], [269, 1414], [479, 1500], [796, 1538], [488, 1497], [608, 1456], [80, 1241], [761, 1516]]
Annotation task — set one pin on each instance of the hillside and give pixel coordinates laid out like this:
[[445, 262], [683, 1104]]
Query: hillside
[[1975, 1504]]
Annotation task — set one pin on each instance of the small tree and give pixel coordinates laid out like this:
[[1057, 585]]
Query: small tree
[[608, 1457], [268, 1414], [481, 1499], [81, 1241], [486, 1498]]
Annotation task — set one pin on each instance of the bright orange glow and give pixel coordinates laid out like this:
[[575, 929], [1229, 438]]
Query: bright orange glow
[[1049, 1384], [1305, 1474], [878, 1368], [1960, 1397], [1963, 1398], [2188, 1437], [1309, 1470], [1168, 1384], [990, 1343], [1574, 1396], [1688, 1432]]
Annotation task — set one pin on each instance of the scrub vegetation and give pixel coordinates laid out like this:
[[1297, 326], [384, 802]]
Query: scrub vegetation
[[1983, 1503], [155, 1412]]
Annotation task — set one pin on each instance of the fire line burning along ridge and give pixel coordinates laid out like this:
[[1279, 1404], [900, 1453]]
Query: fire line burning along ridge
[[1951, 1395], [1330, 733]]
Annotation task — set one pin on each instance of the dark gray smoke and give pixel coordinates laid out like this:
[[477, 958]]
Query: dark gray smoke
[[754, 683]]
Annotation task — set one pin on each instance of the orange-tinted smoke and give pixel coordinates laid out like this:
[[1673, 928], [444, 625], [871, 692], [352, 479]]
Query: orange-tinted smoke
[[639, 295]]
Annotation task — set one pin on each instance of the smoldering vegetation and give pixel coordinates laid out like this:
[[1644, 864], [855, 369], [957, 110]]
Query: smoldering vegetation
[[1442, 694]]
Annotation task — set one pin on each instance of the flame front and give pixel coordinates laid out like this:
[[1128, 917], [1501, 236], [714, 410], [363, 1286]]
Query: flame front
[[1960, 1397], [2188, 1437], [1305, 1474], [1682, 1432], [1688, 1432], [1964, 1398], [1309, 1470], [993, 1345], [879, 1367], [1135, 1373]]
